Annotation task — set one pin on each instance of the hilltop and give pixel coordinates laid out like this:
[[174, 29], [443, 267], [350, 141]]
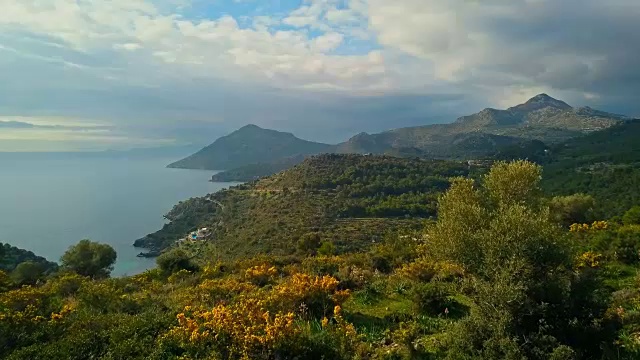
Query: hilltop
[[250, 144]]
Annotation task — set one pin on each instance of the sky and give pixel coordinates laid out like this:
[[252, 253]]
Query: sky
[[79, 75]]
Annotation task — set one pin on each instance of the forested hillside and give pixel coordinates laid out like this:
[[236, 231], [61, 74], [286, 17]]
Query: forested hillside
[[11, 256], [255, 171], [348, 200], [502, 273], [605, 164]]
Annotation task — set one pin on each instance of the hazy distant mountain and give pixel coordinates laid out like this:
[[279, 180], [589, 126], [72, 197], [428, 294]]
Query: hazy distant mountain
[[164, 152], [249, 145], [541, 118], [252, 151]]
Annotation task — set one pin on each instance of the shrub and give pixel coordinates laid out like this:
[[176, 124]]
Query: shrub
[[382, 264], [174, 261], [261, 275], [327, 248], [431, 299], [632, 216], [28, 273]]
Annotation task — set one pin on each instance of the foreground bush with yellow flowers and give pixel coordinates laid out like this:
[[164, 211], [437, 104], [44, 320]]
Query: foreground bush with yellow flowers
[[495, 277]]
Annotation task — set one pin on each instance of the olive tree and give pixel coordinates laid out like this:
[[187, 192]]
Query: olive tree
[[519, 268], [90, 259]]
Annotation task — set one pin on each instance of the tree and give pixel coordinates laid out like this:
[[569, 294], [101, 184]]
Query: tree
[[90, 258], [572, 209], [174, 261], [327, 248], [309, 242], [519, 266], [632, 216], [28, 273]]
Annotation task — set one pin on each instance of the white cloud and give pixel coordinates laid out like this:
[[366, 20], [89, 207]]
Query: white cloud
[[127, 46], [202, 48], [497, 52], [564, 45]]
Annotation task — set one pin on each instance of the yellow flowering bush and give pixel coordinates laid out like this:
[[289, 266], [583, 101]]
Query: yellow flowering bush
[[243, 330], [341, 335], [20, 299], [599, 225], [261, 275], [588, 259], [595, 226], [66, 309], [5, 281], [576, 228], [312, 295]]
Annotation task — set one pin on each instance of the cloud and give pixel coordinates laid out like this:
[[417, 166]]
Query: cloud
[[581, 46], [150, 69]]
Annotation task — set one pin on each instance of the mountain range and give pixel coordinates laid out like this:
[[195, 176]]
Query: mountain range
[[541, 118]]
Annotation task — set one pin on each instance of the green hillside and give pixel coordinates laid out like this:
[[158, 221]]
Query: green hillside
[[249, 145], [11, 256], [351, 200], [495, 276], [605, 164], [254, 171]]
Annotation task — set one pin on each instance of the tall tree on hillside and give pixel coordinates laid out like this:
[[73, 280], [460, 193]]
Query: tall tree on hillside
[[528, 300], [90, 258]]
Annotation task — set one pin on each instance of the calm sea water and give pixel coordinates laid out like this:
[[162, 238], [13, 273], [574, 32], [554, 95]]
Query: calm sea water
[[47, 205]]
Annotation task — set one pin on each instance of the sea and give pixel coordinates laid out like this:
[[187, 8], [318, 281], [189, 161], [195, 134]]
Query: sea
[[49, 203]]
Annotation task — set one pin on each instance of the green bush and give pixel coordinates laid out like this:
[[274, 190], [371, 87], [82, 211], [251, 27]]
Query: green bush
[[632, 216], [174, 261], [28, 273], [431, 298], [327, 248]]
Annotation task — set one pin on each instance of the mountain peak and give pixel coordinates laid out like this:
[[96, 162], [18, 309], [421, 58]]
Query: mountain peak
[[541, 98], [249, 145], [250, 127], [544, 100]]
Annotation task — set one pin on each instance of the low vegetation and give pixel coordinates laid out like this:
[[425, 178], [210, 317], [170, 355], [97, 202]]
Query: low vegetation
[[502, 273]]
